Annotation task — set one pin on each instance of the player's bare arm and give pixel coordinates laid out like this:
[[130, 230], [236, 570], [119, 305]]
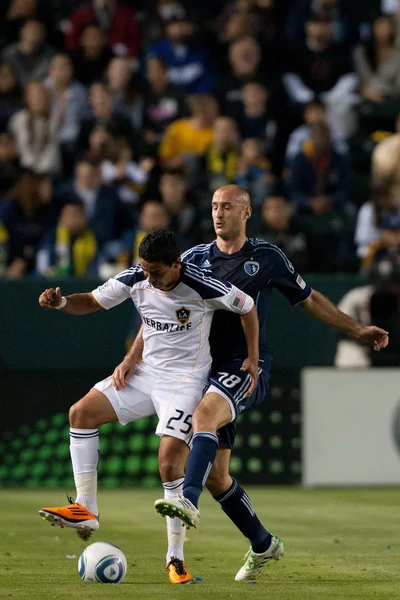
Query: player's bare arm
[[74, 304], [251, 331], [126, 369], [318, 306]]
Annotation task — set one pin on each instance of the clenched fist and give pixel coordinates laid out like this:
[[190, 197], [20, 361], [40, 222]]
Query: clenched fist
[[50, 298]]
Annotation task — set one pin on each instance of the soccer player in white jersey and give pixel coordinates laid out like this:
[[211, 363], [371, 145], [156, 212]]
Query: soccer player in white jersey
[[176, 302]]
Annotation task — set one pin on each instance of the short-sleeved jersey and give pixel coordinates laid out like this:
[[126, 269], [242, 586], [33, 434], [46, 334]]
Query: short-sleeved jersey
[[256, 268], [176, 322]]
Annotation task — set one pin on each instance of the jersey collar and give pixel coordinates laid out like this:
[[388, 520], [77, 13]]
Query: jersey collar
[[243, 250]]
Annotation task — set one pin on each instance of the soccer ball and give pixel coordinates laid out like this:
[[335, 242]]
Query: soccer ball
[[102, 562]]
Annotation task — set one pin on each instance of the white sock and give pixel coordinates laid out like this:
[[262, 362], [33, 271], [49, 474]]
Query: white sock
[[176, 533], [84, 448]]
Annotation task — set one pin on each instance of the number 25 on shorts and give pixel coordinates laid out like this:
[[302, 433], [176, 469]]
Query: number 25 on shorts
[[187, 421]]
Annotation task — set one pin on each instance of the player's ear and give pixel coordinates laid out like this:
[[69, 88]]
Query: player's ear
[[248, 212], [178, 261]]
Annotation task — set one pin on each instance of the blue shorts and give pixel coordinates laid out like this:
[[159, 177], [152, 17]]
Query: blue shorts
[[233, 384]]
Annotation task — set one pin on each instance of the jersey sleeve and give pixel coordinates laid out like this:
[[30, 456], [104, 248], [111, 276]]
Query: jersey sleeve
[[287, 281], [233, 300], [118, 288]]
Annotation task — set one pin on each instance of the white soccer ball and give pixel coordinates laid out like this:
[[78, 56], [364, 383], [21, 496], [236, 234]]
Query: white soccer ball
[[102, 562]]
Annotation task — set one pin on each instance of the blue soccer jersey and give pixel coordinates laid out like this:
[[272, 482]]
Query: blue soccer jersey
[[256, 268]]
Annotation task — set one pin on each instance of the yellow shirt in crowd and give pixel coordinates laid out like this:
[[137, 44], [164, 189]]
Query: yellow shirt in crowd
[[181, 139]]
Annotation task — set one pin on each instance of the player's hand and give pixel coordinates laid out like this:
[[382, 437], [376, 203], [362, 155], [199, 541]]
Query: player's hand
[[251, 366], [379, 338], [123, 373], [50, 298]]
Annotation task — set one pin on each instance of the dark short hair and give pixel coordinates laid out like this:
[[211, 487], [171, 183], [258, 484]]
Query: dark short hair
[[160, 245]]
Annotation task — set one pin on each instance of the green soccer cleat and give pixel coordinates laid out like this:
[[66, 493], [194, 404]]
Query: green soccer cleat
[[180, 507], [256, 562]]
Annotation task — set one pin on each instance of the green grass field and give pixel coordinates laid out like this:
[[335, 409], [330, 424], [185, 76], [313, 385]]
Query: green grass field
[[340, 544]]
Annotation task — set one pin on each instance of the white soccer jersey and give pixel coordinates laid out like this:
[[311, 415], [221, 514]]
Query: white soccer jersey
[[176, 322]]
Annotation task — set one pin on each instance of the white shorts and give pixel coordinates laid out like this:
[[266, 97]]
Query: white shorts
[[172, 397]]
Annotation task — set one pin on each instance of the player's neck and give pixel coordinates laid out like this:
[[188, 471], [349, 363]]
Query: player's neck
[[231, 246], [172, 284]]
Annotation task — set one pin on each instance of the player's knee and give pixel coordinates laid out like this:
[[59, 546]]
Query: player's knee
[[169, 470], [80, 417], [203, 417]]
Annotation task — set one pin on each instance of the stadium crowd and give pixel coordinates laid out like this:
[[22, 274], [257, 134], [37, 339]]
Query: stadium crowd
[[120, 117]]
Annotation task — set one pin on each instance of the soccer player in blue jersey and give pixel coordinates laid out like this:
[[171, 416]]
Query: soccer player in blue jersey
[[256, 267]]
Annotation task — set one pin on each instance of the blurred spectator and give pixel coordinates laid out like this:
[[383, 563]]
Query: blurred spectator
[[26, 216], [278, 225], [10, 95], [128, 177], [245, 65], [181, 213], [322, 70], [91, 57], [118, 22], [350, 354], [105, 213], [4, 249], [70, 248], [35, 131], [314, 113], [377, 234], [377, 302], [187, 138], [188, 62], [18, 12], [343, 15], [69, 105], [10, 170], [164, 102], [102, 144], [103, 114], [261, 19], [319, 178], [219, 165], [254, 171], [153, 216], [30, 56], [255, 119], [124, 91], [386, 161], [236, 26], [377, 63], [123, 253]]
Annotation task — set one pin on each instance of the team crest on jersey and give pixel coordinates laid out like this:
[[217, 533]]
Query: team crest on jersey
[[251, 267], [182, 315]]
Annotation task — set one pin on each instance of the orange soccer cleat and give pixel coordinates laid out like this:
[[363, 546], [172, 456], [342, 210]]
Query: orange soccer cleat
[[177, 572], [75, 516]]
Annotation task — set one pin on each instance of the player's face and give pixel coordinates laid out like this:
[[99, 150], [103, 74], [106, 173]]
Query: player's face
[[229, 217], [160, 275]]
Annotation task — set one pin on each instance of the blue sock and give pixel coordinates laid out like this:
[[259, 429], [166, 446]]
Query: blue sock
[[236, 504], [201, 458]]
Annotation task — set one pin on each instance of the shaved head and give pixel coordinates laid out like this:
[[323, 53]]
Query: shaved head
[[233, 193], [231, 208]]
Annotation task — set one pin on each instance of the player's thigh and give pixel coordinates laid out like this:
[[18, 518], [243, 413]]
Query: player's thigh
[[219, 479], [134, 401], [91, 411], [172, 456], [175, 400]]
